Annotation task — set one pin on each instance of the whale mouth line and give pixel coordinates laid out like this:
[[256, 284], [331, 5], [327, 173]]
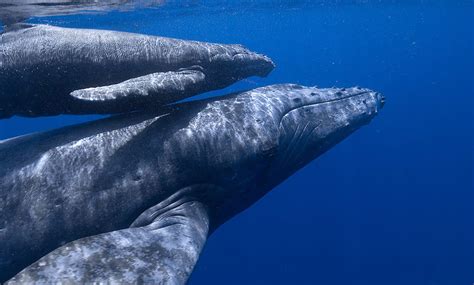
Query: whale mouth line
[[323, 102]]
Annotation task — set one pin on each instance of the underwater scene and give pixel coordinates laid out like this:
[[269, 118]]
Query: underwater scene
[[237, 142]]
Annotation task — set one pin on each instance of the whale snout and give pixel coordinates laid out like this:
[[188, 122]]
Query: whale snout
[[266, 66], [254, 63], [311, 120]]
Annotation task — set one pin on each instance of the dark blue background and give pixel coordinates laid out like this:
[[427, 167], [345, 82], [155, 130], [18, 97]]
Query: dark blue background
[[392, 204]]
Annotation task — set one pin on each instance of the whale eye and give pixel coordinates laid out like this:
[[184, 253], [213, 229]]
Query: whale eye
[[270, 151], [137, 177], [297, 100], [268, 148], [58, 202]]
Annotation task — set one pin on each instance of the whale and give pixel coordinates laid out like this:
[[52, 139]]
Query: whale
[[133, 198], [48, 70]]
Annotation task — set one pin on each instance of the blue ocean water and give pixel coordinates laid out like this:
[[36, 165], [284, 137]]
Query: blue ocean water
[[393, 203]]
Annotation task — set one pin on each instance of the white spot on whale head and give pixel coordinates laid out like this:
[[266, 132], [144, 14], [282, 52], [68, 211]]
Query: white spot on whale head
[[40, 164]]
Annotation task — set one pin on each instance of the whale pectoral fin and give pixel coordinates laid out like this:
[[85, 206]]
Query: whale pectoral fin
[[163, 252], [159, 88]]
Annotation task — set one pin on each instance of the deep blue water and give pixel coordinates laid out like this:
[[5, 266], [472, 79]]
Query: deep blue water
[[393, 203]]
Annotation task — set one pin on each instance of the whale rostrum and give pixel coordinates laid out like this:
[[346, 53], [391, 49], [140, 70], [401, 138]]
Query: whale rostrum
[[133, 198], [47, 70]]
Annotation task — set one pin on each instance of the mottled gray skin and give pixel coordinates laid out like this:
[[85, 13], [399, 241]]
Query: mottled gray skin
[[133, 198], [47, 70]]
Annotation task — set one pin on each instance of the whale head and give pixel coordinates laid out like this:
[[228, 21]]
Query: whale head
[[312, 120], [235, 62], [286, 126], [259, 138]]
